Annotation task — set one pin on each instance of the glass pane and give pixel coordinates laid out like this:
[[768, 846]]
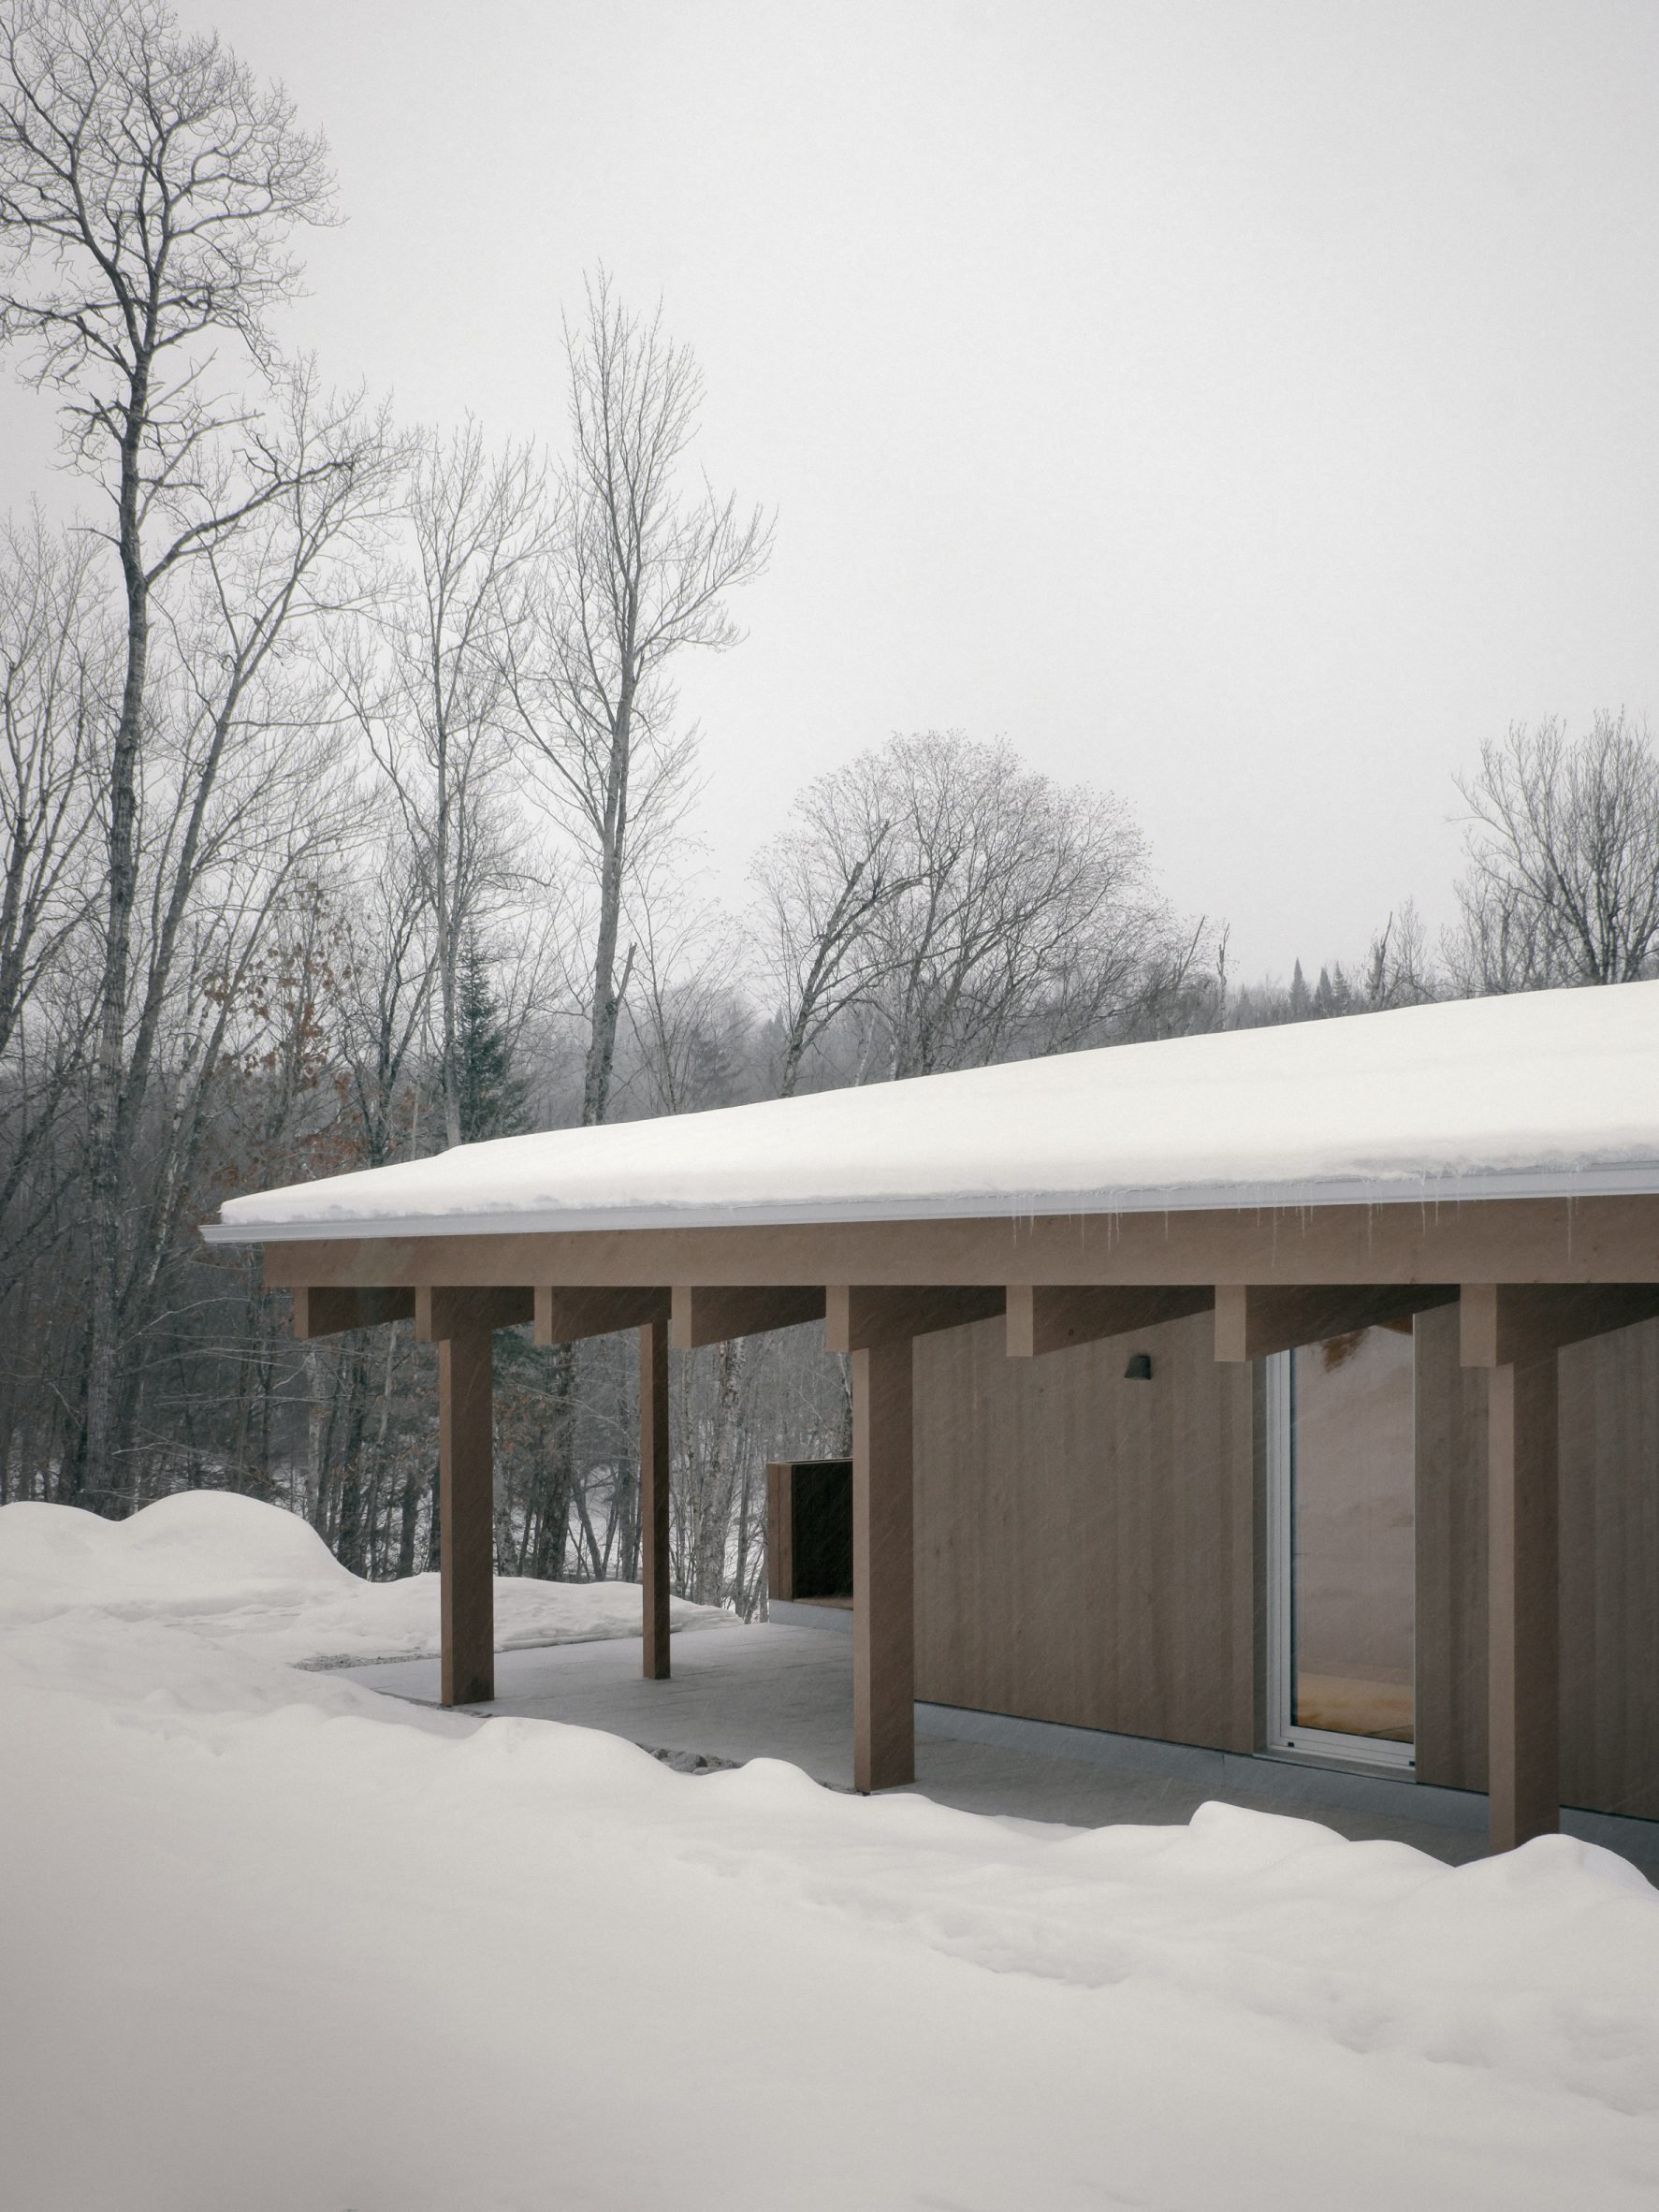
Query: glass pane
[[1354, 1576]]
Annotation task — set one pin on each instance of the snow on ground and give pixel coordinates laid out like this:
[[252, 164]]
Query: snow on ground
[[276, 1943], [260, 1580]]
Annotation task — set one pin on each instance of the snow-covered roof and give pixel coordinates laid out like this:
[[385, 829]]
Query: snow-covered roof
[[1552, 1094]]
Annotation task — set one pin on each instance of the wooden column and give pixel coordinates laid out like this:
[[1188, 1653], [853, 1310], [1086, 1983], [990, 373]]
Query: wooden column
[[653, 1494], [1514, 1330], [466, 1485], [1523, 1680], [884, 1568]]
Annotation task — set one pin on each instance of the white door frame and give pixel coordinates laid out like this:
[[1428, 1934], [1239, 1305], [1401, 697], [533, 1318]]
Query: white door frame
[[1282, 1735]]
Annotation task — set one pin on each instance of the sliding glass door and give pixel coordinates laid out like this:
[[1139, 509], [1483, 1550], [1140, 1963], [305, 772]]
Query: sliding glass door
[[1341, 1579]]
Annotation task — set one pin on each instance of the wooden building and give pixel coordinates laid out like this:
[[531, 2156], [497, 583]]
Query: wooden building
[[1294, 1389]]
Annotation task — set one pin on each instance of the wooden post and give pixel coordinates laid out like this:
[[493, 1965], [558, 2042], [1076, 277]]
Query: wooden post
[[1524, 1690], [466, 1487], [884, 1568], [653, 1494]]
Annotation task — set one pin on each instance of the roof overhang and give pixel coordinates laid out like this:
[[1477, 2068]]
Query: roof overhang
[[1601, 1237]]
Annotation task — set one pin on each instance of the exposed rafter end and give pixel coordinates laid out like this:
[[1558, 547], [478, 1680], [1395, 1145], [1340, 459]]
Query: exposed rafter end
[[1252, 1321], [1045, 1318], [710, 1315], [567, 1317], [323, 1311], [859, 1315], [443, 1311], [1511, 1324]]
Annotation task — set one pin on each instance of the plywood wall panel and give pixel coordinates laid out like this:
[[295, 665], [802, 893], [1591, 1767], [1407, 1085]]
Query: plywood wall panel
[[1610, 1568], [1451, 1558], [1086, 1544], [1609, 1572]]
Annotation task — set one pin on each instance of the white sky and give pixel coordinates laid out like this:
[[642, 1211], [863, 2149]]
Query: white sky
[[1248, 408]]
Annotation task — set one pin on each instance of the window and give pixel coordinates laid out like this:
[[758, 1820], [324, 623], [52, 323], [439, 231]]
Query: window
[[1342, 1580]]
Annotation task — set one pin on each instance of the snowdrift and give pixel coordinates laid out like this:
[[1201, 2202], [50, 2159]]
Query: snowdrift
[[241, 1572], [272, 1941]]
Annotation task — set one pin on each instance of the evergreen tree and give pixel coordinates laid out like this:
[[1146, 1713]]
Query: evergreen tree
[[491, 1096]]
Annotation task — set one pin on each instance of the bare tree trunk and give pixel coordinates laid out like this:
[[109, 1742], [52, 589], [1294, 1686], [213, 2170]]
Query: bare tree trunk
[[316, 1504], [8, 1398], [740, 1572], [579, 1494], [709, 1561], [349, 1545], [552, 1505], [408, 1522], [107, 1118], [435, 1527]]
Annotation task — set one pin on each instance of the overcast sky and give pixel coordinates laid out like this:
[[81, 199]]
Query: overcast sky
[[1246, 408]]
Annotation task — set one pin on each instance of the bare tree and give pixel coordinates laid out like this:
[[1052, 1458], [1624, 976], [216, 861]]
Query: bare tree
[[55, 667], [961, 908], [1563, 848], [822, 889], [430, 693], [1398, 969], [148, 183], [641, 573], [689, 1020], [55, 671], [1500, 942], [386, 984], [1029, 924]]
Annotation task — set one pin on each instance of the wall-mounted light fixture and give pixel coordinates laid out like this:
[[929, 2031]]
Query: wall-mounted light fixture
[[1138, 1368]]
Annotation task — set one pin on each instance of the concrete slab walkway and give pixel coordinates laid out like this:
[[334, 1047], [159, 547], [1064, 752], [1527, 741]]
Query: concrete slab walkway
[[786, 1693], [736, 1694]]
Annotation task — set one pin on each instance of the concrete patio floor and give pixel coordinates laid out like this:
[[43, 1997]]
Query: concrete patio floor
[[786, 1693]]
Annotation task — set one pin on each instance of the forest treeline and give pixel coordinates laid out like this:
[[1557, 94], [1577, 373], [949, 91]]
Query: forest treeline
[[347, 814]]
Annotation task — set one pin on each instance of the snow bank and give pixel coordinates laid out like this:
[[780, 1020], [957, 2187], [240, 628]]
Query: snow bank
[[236, 1572], [1547, 1093], [272, 1941]]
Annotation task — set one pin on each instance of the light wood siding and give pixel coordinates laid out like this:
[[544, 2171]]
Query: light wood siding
[[1451, 1558], [1085, 1545], [1609, 1572], [1610, 1568]]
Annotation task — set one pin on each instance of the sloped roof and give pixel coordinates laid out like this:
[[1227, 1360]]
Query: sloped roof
[[1552, 1094]]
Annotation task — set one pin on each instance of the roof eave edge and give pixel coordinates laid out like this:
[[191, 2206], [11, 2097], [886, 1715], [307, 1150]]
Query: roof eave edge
[[1637, 1179]]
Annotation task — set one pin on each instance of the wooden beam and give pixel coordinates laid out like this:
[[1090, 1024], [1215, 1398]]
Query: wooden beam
[[653, 1494], [1051, 1317], [1508, 1324], [443, 1310], [1254, 1319], [884, 1568], [322, 1311], [567, 1317], [1578, 1240], [466, 1488], [860, 1315], [1524, 1664], [711, 1316]]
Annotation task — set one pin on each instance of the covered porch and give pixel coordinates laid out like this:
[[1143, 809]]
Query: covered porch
[[1270, 1190], [1293, 1282]]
